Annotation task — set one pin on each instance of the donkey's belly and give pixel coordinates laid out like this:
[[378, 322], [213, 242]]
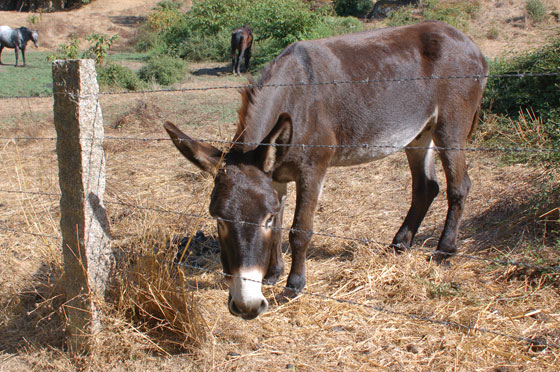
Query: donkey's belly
[[360, 154], [369, 149]]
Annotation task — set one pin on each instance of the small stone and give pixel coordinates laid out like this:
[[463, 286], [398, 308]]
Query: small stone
[[411, 348]]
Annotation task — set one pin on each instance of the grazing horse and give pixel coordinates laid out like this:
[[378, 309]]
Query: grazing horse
[[388, 91], [17, 38], [241, 43]]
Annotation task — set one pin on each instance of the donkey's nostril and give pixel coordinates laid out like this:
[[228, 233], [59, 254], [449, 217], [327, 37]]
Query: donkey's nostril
[[233, 309], [263, 307]]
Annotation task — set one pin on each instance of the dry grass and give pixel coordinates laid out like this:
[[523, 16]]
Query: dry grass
[[159, 318]]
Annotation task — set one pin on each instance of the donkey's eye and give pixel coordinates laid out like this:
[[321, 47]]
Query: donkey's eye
[[269, 222]]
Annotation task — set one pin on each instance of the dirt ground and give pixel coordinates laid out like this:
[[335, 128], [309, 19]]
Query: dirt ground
[[362, 307]]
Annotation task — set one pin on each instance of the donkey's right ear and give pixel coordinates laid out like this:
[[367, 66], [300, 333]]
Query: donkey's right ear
[[204, 156]]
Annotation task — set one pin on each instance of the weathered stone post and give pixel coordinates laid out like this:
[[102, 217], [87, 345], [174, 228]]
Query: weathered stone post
[[85, 228]]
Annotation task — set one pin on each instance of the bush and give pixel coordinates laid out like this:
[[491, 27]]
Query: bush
[[99, 46], [535, 100], [163, 69], [356, 8], [509, 96], [115, 75], [536, 10], [205, 31]]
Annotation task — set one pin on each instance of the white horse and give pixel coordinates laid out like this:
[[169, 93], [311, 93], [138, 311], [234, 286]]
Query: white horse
[[17, 38]]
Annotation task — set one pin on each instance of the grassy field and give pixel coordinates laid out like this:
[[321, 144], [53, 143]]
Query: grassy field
[[36, 78], [33, 80]]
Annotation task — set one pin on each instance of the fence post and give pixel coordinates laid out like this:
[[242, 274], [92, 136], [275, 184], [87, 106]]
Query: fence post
[[84, 224]]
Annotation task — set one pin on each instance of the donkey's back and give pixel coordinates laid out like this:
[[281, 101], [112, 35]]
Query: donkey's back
[[389, 86], [7, 35]]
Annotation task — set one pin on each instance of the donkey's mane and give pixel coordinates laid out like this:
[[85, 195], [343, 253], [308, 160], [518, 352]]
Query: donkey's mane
[[248, 97]]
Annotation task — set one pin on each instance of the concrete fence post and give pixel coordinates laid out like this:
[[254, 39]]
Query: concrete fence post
[[84, 224]]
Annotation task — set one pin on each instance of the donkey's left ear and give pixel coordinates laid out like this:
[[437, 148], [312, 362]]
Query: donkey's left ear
[[276, 145]]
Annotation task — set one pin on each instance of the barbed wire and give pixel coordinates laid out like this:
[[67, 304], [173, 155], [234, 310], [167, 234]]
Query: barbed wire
[[551, 268], [303, 145], [367, 80], [381, 309], [40, 235]]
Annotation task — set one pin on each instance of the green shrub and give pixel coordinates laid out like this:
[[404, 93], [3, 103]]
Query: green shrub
[[532, 100], [356, 8], [115, 75], [536, 10], [163, 69], [66, 51], [204, 33], [99, 45], [509, 96]]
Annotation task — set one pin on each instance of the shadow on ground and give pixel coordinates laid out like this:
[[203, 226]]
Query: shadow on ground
[[128, 21], [213, 71], [34, 314]]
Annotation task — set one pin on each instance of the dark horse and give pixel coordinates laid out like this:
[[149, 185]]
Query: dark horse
[[17, 38], [241, 43], [296, 131]]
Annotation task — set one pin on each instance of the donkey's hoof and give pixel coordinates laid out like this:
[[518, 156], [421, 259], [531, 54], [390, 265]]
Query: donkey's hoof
[[287, 295], [397, 248], [440, 258]]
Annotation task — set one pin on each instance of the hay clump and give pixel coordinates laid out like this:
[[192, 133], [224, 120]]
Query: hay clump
[[151, 295]]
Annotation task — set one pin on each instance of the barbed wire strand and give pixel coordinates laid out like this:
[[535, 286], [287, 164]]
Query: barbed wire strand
[[303, 145], [553, 268], [519, 75]]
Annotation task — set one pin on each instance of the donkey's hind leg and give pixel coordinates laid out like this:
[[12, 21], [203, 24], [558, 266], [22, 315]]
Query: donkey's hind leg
[[458, 185], [425, 188], [240, 61]]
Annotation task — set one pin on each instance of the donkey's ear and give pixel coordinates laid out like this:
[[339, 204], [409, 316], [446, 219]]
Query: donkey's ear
[[276, 144], [203, 155]]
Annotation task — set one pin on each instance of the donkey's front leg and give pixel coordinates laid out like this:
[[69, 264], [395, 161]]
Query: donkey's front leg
[[308, 189]]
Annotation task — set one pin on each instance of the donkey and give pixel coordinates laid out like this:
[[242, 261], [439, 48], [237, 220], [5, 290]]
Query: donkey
[[241, 43], [294, 132], [17, 38]]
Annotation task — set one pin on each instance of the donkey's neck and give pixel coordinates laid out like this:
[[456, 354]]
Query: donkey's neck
[[258, 115]]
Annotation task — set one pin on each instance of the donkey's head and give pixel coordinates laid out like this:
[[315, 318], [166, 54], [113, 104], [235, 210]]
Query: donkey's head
[[246, 207], [35, 38]]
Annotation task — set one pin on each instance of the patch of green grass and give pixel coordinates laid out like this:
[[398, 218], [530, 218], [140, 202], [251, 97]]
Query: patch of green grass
[[35, 79], [128, 57]]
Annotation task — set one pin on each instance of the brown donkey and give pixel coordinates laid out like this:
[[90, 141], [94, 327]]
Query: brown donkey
[[296, 131], [241, 43]]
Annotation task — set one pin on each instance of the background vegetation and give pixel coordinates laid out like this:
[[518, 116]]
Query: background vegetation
[[204, 32]]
